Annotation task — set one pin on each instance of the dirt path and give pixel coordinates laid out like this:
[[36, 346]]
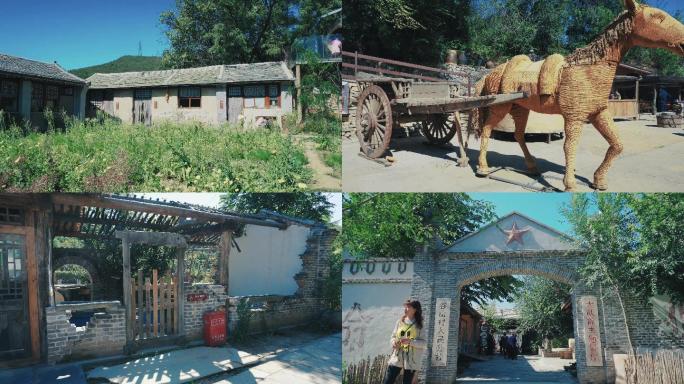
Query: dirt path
[[323, 179]]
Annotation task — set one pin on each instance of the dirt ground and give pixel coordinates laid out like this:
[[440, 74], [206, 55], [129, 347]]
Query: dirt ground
[[652, 161]]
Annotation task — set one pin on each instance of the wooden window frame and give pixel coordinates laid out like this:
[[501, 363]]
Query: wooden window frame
[[5, 212], [41, 97], [17, 83], [267, 95], [190, 98]]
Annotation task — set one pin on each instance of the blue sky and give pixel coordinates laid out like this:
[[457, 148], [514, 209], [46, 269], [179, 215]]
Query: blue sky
[[544, 207], [79, 33]]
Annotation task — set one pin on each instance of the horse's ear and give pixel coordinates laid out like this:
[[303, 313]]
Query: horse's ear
[[632, 6]]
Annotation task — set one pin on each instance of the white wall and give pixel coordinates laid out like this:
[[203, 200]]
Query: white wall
[[379, 299], [268, 261]]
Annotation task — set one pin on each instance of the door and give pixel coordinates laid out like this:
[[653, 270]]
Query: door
[[14, 324], [142, 106], [234, 104]]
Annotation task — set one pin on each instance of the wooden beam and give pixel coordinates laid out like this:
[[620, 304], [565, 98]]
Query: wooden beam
[[70, 218], [224, 258], [126, 255], [33, 289], [180, 287], [112, 202]]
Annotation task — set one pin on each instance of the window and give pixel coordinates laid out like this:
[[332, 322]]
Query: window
[[190, 97], [37, 97], [273, 95], [9, 91], [255, 96], [11, 216], [234, 92], [67, 91], [51, 96]]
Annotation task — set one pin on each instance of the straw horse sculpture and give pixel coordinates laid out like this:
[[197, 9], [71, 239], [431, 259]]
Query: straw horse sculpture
[[576, 87]]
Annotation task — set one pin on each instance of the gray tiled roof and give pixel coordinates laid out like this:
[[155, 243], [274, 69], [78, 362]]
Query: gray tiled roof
[[216, 74], [32, 68]]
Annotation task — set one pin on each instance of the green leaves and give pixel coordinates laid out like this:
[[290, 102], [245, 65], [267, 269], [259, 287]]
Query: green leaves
[[394, 224], [313, 206], [540, 304], [209, 32], [634, 241]]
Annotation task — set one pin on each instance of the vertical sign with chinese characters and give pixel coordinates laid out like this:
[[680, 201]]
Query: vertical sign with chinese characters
[[440, 340], [592, 336]]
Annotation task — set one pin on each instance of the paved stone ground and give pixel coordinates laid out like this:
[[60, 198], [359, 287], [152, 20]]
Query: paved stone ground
[[307, 356], [525, 369], [652, 161], [316, 362]]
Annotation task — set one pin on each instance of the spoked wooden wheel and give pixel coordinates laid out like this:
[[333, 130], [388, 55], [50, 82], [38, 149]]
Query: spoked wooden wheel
[[438, 129], [373, 121]]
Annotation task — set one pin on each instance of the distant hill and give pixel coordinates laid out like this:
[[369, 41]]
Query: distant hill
[[122, 64]]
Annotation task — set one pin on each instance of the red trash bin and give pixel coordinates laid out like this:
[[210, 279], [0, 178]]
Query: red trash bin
[[214, 328]]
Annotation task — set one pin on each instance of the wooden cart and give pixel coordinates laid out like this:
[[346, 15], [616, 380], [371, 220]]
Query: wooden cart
[[386, 102]]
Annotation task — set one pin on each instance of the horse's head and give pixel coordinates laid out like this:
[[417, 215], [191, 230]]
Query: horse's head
[[655, 28]]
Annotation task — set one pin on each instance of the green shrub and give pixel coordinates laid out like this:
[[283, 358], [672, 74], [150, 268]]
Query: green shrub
[[104, 155]]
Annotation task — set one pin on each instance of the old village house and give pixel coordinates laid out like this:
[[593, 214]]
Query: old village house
[[29, 88], [255, 94]]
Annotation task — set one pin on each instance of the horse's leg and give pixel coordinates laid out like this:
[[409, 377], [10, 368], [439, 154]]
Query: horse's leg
[[496, 114], [573, 130], [520, 116], [603, 121]]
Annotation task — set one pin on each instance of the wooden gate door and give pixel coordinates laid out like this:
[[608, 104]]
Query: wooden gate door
[[155, 308], [14, 322], [142, 106], [234, 104]]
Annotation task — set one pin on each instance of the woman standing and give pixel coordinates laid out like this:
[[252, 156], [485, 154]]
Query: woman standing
[[407, 344]]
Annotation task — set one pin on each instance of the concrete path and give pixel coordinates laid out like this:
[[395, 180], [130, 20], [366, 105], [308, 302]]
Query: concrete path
[[525, 369], [318, 362], [305, 356], [651, 162], [44, 374]]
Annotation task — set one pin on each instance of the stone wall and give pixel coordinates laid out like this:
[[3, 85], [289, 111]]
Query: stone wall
[[105, 333], [443, 276], [195, 310]]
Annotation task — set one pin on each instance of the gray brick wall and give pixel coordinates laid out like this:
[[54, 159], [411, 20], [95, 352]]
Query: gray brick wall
[[444, 275], [195, 310], [105, 333]]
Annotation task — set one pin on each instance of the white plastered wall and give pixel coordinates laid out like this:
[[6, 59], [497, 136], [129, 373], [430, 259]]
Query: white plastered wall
[[371, 305], [268, 260], [167, 106]]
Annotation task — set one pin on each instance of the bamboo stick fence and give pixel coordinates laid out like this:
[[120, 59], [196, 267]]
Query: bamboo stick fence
[[368, 371], [666, 366], [154, 312]]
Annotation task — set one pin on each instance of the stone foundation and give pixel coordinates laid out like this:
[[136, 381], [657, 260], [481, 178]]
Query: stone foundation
[[105, 333]]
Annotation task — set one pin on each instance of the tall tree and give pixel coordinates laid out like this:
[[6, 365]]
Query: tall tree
[[540, 303], [418, 31], [313, 206], [634, 241], [208, 32]]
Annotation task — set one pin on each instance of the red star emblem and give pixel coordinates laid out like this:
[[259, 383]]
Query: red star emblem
[[515, 234]]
